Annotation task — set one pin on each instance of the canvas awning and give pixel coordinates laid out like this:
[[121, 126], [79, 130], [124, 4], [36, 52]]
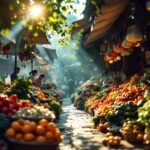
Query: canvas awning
[[109, 13], [81, 24], [40, 39]]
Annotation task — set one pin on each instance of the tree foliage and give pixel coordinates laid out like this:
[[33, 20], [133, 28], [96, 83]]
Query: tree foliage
[[53, 17]]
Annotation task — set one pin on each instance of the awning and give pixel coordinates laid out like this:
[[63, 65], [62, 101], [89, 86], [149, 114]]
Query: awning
[[40, 39], [109, 13], [81, 24], [48, 54]]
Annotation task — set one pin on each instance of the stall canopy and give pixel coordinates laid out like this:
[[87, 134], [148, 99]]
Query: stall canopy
[[40, 39], [109, 13], [48, 54], [81, 24]]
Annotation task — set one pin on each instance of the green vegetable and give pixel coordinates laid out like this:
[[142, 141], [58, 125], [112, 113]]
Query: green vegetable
[[21, 87], [144, 114]]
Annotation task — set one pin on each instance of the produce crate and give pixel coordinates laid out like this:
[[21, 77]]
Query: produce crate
[[21, 145], [129, 136]]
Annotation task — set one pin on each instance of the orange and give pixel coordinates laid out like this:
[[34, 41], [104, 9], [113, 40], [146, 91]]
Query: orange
[[46, 105], [27, 121], [51, 127], [21, 121], [15, 125], [19, 136], [57, 137], [49, 135], [26, 128], [29, 137], [40, 130], [41, 139], [43, 122], [10, 133], [33, 125]]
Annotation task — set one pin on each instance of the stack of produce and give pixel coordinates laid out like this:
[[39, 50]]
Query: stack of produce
[[9, 105], [84, 92], [117, 104], [29, 131], [37, 112]]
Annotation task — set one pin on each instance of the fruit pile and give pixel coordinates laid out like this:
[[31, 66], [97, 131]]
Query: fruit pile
[[37, 112], [29, 131], [9, 105], [111, 140], [115, 104]]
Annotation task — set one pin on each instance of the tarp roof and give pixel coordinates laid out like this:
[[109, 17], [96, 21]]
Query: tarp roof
[[41, 39], [109, 13]]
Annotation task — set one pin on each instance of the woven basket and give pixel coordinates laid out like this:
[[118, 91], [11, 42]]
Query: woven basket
[[21, 145], [129, 136]]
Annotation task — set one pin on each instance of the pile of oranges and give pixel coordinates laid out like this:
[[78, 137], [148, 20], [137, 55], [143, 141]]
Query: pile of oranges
[[25, 130], [40, 95]]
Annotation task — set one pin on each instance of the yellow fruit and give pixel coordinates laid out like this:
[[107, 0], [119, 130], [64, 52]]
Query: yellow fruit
[[10, 133], [40, 130], [29, 137], [41, 139], [26, 128], [51, 127], [49, 135], [19, 136], [15, 125], [43, 122]]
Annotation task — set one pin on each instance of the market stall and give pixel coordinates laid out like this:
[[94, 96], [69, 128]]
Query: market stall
[[28, 113], [120, 109]]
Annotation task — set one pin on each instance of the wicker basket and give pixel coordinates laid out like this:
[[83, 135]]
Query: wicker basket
[[129, 136], [21, 145]]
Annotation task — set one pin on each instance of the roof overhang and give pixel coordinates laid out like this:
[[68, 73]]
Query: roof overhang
[[109, 13]]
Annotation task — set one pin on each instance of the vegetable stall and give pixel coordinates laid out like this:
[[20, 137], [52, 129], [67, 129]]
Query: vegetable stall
[[28, 114], [119, 109]]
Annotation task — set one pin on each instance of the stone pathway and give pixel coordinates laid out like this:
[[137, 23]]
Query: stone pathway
[[77, 130]]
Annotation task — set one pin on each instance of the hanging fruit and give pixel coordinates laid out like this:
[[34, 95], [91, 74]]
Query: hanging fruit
[[118, 48], [126, 44], [111, 61], [118, 58], [113, 54], [108, 57], [134, 34], [126, 52]]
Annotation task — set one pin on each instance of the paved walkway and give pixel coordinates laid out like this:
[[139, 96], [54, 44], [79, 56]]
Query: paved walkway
[[78, 132], [77, 129]]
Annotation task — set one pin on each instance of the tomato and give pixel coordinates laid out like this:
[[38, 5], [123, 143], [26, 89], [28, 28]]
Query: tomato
[[102, 128], [14, 98]]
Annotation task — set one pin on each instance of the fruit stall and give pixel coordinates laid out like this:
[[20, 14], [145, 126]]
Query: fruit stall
[[120, 110], [28, 115]]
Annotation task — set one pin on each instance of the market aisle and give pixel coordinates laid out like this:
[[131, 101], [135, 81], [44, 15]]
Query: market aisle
[[77, 129]]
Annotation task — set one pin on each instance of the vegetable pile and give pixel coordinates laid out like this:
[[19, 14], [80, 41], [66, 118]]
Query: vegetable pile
[[116, 104]]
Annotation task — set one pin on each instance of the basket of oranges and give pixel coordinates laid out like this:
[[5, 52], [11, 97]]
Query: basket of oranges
[[29, 135]]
